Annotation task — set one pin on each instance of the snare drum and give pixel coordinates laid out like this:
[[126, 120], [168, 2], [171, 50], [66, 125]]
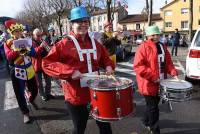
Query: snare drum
[[175, 90], [110, 100]]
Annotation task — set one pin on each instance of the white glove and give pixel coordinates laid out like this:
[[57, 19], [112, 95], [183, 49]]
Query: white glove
[[77, 75], [176, 77], [109, 70]]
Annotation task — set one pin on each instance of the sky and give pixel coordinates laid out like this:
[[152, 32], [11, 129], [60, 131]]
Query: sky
[[11, 7], [136, 6]]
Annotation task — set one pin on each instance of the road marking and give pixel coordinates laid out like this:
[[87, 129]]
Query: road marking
[[181, 67], [177, 65], [10, 101], [125, 70], [126, 64], [56, 90]]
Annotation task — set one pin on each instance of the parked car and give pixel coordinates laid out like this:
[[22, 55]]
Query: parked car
[[193, 59]]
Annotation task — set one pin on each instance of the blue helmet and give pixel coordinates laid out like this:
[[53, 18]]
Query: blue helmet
[[50, 29], [79, 13]]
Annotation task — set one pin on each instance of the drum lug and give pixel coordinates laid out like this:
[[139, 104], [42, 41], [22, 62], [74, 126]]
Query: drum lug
[[95, 111], [117, 95], [119, 112], [95, 95]]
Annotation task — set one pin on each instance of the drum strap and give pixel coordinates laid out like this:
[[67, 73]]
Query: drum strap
[[85, 51], [161, 60]]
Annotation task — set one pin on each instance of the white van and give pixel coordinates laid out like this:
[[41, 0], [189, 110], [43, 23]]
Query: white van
[[193, 59]]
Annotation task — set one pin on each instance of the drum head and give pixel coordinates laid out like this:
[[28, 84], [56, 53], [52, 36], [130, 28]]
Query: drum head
[[109, 83], [176, 84]]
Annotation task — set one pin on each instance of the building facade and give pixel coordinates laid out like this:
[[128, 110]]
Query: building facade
[[137, 23], [99, 17], [176, 15]]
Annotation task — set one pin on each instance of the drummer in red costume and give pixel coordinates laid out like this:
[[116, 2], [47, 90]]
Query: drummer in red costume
[[152, 63], [69, 59]]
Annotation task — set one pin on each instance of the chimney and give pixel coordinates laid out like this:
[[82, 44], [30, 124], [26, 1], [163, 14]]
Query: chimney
[[165, 2]]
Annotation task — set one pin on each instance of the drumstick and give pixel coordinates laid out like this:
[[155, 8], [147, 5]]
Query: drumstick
[[95, 76], [114, 78]]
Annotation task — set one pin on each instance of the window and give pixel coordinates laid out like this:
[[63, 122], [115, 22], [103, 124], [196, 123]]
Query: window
[[199, 8], [184, 0], [184, 10], [100, 28], [153, 23], [94, 28], [137, 26], [184, 24], [124, 27], [168, 24], [197, 40], [168, 13], [198, 22], [100, 19]]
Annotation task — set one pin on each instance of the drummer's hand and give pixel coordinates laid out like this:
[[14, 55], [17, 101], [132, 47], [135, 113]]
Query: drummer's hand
[[109, 70], [176, 77], [77, 75], [157, 81]]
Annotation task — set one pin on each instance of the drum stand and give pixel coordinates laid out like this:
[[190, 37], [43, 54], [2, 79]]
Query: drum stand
[[164, 98]]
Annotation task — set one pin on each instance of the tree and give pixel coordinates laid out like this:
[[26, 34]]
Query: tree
[[150, 12], [190, 20], [59, 8], [149, 9], [36, 13]]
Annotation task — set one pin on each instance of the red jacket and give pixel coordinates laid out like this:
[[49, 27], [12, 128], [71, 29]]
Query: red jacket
[[37, 61], [147, 70], [63, 60]]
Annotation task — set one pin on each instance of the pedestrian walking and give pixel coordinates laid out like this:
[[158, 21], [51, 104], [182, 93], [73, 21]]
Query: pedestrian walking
[[21, 69], [152, 63], [41, 52], [175, 42], [69, 59]]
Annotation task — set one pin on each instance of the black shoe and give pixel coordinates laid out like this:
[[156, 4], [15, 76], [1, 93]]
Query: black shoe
[[35, 106], [44, 98], [49, 96], [146, 126]]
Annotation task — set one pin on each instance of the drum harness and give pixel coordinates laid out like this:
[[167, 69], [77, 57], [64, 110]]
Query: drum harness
[[161, 60], [87, 52]]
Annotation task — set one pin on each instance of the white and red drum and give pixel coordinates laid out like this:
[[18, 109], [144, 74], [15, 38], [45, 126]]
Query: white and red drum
[[111, 100]]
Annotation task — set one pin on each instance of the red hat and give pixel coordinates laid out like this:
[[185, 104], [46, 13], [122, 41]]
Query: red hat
[[107, 23], [12, 25]]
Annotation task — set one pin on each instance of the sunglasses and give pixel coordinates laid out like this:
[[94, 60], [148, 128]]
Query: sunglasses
[[81, 21]]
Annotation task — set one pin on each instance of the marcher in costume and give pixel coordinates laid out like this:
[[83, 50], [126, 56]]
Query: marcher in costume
[[41, 52], [109, 41], [21, 69], [51, 38], [72, 57], [152, 63]]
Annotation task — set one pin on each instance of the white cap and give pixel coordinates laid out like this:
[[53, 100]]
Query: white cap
[[35, 31]]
